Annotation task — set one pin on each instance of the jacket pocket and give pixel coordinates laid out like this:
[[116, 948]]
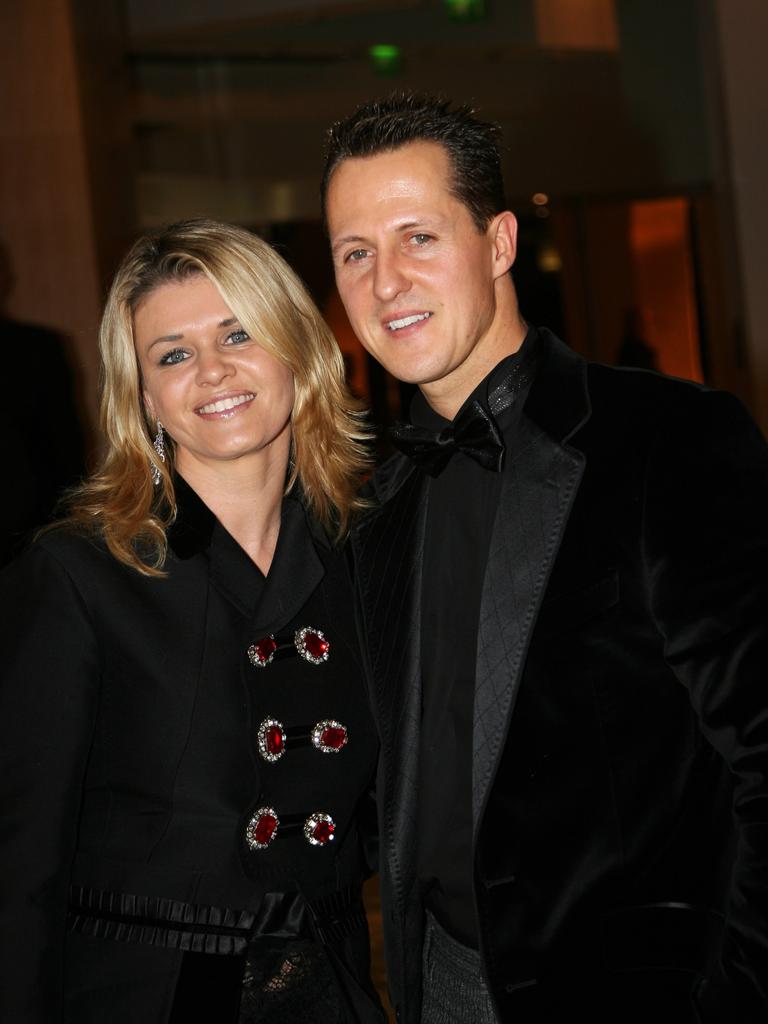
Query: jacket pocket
[[570, 610], [661, 937]]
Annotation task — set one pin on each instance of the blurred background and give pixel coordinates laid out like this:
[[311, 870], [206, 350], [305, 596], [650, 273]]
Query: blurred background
[[636, 153]]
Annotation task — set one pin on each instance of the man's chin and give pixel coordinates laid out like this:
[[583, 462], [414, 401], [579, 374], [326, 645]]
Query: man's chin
[[409, 374]]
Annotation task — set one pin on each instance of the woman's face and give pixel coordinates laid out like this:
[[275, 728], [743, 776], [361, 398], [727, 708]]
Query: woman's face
[[215, 390]]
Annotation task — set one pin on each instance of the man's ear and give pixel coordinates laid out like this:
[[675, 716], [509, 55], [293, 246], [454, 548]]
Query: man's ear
[[502, 232]]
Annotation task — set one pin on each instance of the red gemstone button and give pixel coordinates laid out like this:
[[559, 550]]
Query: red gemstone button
[[323, 831], [329, 736], [333, 737], [262, 652], [274, 740], [316, 645], [271, 739], [262, 828], [319, 828], [312, 645]]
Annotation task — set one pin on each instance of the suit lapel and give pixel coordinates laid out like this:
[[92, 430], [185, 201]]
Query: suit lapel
[[388, 549], [541, 479], [540, 483]]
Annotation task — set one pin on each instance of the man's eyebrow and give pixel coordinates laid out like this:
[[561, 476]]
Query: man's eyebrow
[[410, 224], [229, 322], [407, 225]]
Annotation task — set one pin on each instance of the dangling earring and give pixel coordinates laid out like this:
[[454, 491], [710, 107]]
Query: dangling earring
[[159, 445]]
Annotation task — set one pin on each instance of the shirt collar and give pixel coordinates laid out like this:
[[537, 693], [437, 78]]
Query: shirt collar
[[423, 415]]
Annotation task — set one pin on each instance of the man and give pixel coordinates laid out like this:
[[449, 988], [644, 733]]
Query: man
[[565, 591]]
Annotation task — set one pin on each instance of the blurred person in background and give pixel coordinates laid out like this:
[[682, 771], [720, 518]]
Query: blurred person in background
[[43, 450]]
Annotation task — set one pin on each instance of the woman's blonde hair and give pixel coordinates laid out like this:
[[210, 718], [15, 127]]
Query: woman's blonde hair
[[329, 439]]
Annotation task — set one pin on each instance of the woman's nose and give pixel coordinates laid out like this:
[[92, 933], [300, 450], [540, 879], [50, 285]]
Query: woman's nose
[[213, 367]]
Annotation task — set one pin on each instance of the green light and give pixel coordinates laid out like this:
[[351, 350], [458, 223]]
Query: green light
[[385, 57], [465, 10]]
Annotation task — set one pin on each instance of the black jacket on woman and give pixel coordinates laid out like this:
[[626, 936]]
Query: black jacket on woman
[[131, 766]]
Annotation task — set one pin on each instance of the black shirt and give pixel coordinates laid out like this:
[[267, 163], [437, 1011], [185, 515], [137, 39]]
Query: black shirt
[[463, 501]]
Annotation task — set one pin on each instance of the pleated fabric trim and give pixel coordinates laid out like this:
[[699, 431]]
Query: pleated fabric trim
[[157, 921]]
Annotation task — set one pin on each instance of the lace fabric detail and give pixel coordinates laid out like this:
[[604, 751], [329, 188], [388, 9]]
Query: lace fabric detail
[[288, 983]]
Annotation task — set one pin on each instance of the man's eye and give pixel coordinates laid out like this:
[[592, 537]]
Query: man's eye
[[238, 336], [356, 255], [176, 355], [421, 239]]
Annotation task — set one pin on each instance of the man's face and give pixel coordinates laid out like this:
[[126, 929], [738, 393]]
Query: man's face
[[417, 277]]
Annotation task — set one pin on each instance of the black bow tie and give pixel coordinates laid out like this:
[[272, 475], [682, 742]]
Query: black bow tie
[[473, 432]]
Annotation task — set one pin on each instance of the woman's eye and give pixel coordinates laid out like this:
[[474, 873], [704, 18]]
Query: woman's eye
[[176, 355], [238, 336]]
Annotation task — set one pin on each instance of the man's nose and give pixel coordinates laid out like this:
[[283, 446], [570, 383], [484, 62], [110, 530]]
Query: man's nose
[[390, 277]]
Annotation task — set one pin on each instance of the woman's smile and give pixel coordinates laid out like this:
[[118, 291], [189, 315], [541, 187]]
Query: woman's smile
[[225, 405]]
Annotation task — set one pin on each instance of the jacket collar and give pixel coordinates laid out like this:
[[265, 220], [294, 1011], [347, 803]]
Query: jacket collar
[[191, 531], [558, 403], [296, 569]]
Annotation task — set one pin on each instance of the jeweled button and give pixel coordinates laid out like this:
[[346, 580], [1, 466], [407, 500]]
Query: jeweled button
[[262, 652], [262, 828], [329, 736], [316, 645], [319, 828], [312, 645], [271, 739], [274, 740]]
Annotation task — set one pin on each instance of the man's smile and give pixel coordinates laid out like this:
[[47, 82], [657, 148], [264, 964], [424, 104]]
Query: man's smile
[[407, 320]]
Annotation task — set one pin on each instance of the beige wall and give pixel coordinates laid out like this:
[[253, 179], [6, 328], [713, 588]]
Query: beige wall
[[737, 82], [51, 178]]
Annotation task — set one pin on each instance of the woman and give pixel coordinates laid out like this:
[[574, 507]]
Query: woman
[[185, 739]]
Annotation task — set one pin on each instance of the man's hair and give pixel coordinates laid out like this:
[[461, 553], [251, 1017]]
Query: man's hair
[[383, 125]]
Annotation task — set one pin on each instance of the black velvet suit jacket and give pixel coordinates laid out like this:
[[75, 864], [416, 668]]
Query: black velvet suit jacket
[[620, 745], [129, 715]]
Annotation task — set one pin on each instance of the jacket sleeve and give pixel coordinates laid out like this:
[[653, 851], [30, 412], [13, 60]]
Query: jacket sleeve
[[706, 551], [48, 695]]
